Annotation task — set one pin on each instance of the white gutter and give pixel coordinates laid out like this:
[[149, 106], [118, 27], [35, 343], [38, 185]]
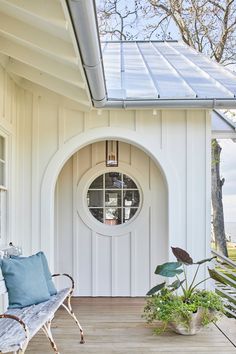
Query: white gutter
[[84, 20], [173, 103]]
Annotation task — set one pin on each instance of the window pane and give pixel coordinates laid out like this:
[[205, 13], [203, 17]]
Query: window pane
[[113, 180], [128, 182], [97, 183], [128, 213], [112, 216], [2, 148], [113, 198], [95, 198], [97, 213], [131, 198]]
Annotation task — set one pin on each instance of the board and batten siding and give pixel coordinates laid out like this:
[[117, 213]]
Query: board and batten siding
[[111, 261], [46, 131], [8, 119]]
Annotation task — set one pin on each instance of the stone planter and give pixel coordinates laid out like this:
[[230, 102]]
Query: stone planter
[[194, 325]]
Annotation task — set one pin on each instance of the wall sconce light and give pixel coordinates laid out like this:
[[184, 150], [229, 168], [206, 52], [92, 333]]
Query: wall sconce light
[[112, 153]]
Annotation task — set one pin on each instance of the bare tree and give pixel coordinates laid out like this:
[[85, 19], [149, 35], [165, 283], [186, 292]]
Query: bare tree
[[117, 20], [209, 26], [206, 25], [216, 199]]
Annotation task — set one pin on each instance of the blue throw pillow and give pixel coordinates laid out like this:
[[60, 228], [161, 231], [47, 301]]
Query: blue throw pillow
[[51, 287], [25, 281]]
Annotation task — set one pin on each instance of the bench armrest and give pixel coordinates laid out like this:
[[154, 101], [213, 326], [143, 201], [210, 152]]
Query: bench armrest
[[22, 323], [68, 276]]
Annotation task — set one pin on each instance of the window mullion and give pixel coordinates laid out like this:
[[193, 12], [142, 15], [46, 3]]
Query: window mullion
[[114, 180]]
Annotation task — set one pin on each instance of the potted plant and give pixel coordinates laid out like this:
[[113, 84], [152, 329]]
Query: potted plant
[[187, 310]]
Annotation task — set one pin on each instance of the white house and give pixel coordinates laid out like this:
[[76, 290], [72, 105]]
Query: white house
[[107, 226]]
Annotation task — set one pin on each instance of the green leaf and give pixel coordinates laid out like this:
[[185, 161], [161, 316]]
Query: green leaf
[[181, 255], [216, 276], [169, 269], [205, 260], [176, 284], [156, 288]]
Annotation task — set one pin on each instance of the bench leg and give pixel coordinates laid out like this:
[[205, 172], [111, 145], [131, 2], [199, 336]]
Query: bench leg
[[68, 308], [47, 330]]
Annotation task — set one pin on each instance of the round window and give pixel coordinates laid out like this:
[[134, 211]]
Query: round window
[[113, 198]]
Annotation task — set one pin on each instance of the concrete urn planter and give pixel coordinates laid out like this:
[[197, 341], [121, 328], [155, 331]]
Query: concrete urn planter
[[195, 323]]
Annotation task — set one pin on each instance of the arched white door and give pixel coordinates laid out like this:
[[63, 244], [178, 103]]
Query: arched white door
[[112, 258]]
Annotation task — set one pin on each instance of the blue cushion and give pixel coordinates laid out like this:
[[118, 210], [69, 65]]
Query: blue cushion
[[25, 281], [51, 287]]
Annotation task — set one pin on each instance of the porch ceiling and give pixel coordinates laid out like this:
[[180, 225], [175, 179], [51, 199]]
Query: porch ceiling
[[38, 45]]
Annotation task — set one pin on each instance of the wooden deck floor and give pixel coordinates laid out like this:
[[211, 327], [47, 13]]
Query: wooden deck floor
[[114, 325]]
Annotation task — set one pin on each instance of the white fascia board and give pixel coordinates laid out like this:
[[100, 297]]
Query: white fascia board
[[224, 135]]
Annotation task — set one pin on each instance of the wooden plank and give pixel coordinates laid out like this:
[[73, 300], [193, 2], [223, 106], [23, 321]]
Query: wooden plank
[[36, 38], [114, 325], [44, 63], [228, 327], [50, 82], [44, 14], [11, 334]]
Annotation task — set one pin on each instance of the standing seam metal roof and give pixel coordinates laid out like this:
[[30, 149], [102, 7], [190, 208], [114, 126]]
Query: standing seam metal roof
[[163, 70]]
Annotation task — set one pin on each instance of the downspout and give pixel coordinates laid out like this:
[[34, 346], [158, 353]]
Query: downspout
[[84, 20]]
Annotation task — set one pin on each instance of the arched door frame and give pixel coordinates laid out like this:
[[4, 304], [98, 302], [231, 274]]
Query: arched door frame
[[77, 142]]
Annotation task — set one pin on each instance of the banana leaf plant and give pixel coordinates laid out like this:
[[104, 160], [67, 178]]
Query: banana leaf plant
[[178, 270]]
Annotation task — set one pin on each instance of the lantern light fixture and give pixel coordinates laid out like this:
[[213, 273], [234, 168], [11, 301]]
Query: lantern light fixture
[[112, 153]]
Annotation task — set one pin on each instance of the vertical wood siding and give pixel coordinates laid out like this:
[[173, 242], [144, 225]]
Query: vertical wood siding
[[41, 125]]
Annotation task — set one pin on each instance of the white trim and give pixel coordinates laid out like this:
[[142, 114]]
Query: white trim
[[82, 207]]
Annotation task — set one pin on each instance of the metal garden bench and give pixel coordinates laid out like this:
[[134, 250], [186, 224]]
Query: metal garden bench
[[18, 326]]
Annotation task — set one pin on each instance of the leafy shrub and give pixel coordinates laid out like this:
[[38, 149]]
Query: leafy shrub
[[164, 304]]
